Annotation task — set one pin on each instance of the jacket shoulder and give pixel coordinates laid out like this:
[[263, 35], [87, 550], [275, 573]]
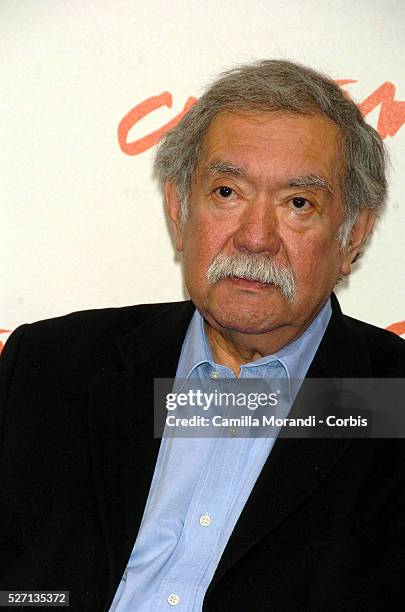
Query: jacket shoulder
[[89, 325], [70, 346], [386, 350]]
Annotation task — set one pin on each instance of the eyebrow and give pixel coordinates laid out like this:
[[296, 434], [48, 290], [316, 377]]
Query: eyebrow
[[312, 180], [219, 167]]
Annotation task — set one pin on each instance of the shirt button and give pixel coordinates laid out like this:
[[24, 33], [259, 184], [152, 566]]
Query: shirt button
[[173, 599], [214, 375], [205, 520]]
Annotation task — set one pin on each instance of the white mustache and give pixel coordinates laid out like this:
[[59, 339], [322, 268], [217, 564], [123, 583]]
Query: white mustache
[[257, 268]]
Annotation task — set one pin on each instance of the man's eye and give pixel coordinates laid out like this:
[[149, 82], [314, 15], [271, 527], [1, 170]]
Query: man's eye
[[301, 203], [224, 192]]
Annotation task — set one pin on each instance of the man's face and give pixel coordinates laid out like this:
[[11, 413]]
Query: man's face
[[267, 184]]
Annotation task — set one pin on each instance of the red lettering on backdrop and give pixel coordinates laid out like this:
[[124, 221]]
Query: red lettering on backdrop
[[397, 328], [3, 331], [141, 110], [390, 119], [392, 112]]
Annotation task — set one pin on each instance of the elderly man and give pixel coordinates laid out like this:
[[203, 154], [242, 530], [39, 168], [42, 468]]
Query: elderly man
[[273, 182]]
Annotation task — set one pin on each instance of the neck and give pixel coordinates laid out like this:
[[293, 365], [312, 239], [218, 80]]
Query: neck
[[233, 349]]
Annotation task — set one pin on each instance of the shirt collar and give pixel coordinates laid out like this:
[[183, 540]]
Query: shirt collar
[[295, 357]]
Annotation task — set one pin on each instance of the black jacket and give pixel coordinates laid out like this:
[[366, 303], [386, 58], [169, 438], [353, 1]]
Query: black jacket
[[323, 529]]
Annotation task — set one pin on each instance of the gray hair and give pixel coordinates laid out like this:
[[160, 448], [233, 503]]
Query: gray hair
[[281, 85]]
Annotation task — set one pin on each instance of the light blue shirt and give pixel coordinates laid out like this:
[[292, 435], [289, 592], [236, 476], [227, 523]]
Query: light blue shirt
[[200, 486]]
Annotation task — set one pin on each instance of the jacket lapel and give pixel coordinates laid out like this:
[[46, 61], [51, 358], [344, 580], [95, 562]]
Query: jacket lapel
[[296, 467], [124, 450]]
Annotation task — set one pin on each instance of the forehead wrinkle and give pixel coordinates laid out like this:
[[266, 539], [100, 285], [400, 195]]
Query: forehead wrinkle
[[312, 180]]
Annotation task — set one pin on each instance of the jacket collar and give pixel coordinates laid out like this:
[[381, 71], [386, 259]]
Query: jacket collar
[[160, 336], [342, 352]]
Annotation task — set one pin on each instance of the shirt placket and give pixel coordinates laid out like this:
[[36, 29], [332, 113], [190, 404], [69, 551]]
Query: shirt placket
[[202, 529]]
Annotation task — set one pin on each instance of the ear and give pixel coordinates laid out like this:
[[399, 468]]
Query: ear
[[174, 211], [360, 231]]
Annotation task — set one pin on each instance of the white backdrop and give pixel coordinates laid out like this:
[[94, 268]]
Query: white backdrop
[[82, 223]]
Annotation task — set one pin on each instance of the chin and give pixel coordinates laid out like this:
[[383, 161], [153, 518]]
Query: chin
[[242, 311], [243, 324]]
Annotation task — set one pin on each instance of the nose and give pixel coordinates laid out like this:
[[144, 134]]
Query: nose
[[258, 230]]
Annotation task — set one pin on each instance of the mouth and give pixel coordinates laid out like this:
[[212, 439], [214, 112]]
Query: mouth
[[243, 283]]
